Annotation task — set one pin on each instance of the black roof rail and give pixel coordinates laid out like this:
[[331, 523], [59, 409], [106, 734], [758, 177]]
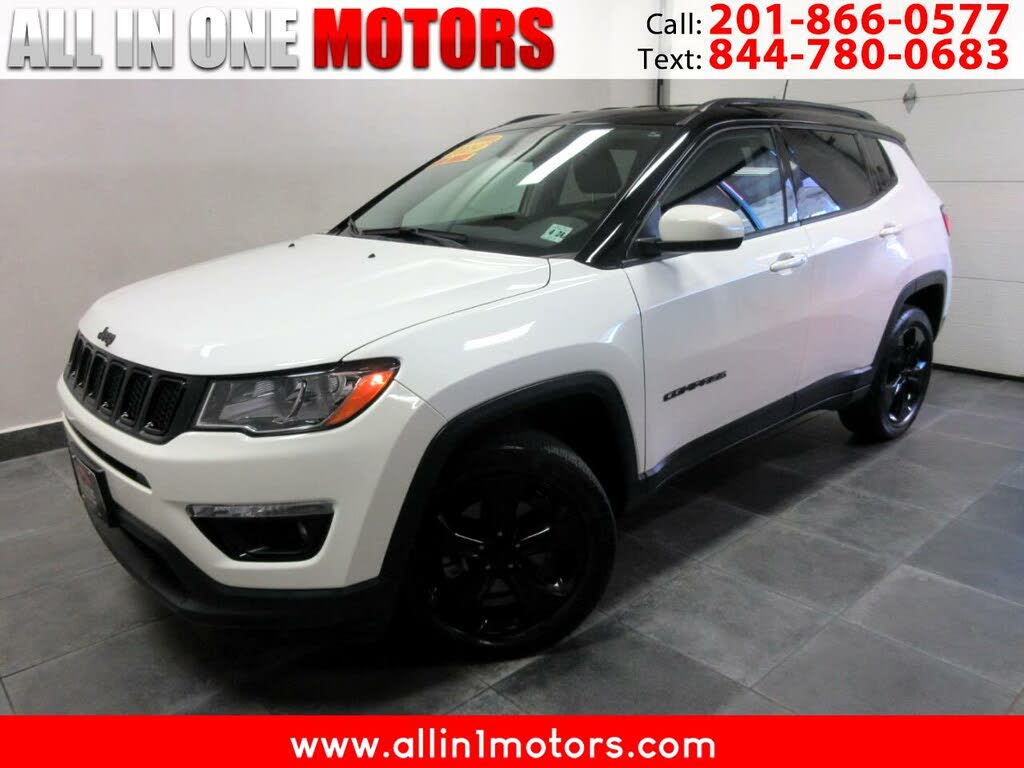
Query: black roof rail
[[665, 107], [662, 107], [524, 118], [734, 102]]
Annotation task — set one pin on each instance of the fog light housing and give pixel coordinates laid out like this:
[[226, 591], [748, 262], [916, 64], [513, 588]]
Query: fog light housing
[[265, 532]]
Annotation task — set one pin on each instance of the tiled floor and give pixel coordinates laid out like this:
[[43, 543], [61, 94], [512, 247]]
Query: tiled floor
[[803, 573]]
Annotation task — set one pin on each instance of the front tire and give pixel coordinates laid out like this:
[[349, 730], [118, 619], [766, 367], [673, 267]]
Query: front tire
[[901, 382], [516, 549]]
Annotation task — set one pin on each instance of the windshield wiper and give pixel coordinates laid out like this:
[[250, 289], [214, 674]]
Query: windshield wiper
[[437, 236], [348, 225]]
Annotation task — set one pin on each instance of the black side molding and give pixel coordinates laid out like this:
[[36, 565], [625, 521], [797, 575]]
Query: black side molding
[[830, 393]]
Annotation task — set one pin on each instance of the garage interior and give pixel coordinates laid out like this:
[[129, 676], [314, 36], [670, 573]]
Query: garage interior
[[804, 572]]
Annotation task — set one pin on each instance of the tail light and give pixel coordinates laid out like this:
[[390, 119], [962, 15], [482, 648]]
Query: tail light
[[947, 221]]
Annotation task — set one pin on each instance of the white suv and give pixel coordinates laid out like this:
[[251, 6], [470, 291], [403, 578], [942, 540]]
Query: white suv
[[436, 410]]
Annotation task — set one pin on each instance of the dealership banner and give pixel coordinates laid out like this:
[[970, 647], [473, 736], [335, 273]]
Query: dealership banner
[[695, 39], [477, 742], [743, 226]]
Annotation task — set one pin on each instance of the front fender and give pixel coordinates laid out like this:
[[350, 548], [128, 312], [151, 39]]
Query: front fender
[[586, 321]]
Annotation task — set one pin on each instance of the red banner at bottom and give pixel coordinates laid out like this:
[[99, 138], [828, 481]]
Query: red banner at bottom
[[465, 742]]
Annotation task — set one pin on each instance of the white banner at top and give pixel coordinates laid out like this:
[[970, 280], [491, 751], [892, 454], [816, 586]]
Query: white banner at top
[[681, 39]]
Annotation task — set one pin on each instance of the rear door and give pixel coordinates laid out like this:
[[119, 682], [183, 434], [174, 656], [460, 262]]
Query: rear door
[[843, 183], [724, 333]]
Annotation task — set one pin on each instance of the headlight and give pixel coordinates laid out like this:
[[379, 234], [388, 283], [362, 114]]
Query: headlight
[[295, 402]]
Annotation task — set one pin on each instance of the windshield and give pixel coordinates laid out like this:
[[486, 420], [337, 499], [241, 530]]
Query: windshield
[[531, 192]]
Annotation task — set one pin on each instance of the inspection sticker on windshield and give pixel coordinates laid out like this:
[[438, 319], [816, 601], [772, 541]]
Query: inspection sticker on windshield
[[470, 149], [556, 233]]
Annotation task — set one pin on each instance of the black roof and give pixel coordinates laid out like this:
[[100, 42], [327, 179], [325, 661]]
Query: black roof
[[720, 110]]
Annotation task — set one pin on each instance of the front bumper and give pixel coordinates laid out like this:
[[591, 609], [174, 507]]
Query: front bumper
[[363, 468], [154, 561]]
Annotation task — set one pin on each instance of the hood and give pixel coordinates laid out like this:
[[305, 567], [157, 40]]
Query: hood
[[290, 305]]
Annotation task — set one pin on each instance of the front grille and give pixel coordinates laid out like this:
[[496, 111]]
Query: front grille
[[82, 371], [92, 385], [162, 406], [76, 357], [112, 387], [134, 397], [151, 404]]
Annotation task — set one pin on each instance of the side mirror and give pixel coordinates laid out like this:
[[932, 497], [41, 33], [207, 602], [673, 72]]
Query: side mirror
[[697, 228]]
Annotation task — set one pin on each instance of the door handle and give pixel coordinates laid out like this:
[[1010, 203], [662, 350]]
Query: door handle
[[891, 230], [788, 261]]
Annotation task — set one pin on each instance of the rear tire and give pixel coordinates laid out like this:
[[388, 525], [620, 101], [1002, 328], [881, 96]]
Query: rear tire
[[901, 382], [516, 550]]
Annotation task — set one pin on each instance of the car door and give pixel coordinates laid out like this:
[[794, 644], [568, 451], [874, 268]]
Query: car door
[[855, 241], [724, 332]]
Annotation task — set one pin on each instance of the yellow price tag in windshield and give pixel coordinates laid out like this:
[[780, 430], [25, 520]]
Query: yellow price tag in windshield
[[469, 150]]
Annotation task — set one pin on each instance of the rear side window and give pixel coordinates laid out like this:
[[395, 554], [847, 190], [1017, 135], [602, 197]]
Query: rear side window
[[878, 162], [829, 171], [738, 170]]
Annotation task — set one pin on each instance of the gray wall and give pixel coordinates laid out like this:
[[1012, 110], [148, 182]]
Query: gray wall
[[965, 137], [104, 183]]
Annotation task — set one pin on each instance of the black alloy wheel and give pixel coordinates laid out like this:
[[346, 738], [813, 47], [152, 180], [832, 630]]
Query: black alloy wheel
[[511, 551], [517, 549], [901, 381], [909, 370]]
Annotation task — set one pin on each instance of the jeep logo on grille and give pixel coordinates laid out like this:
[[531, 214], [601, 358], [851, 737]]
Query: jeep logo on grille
[[106, 337]]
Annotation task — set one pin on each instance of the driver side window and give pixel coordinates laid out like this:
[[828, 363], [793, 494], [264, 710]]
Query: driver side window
[[738, 171]]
